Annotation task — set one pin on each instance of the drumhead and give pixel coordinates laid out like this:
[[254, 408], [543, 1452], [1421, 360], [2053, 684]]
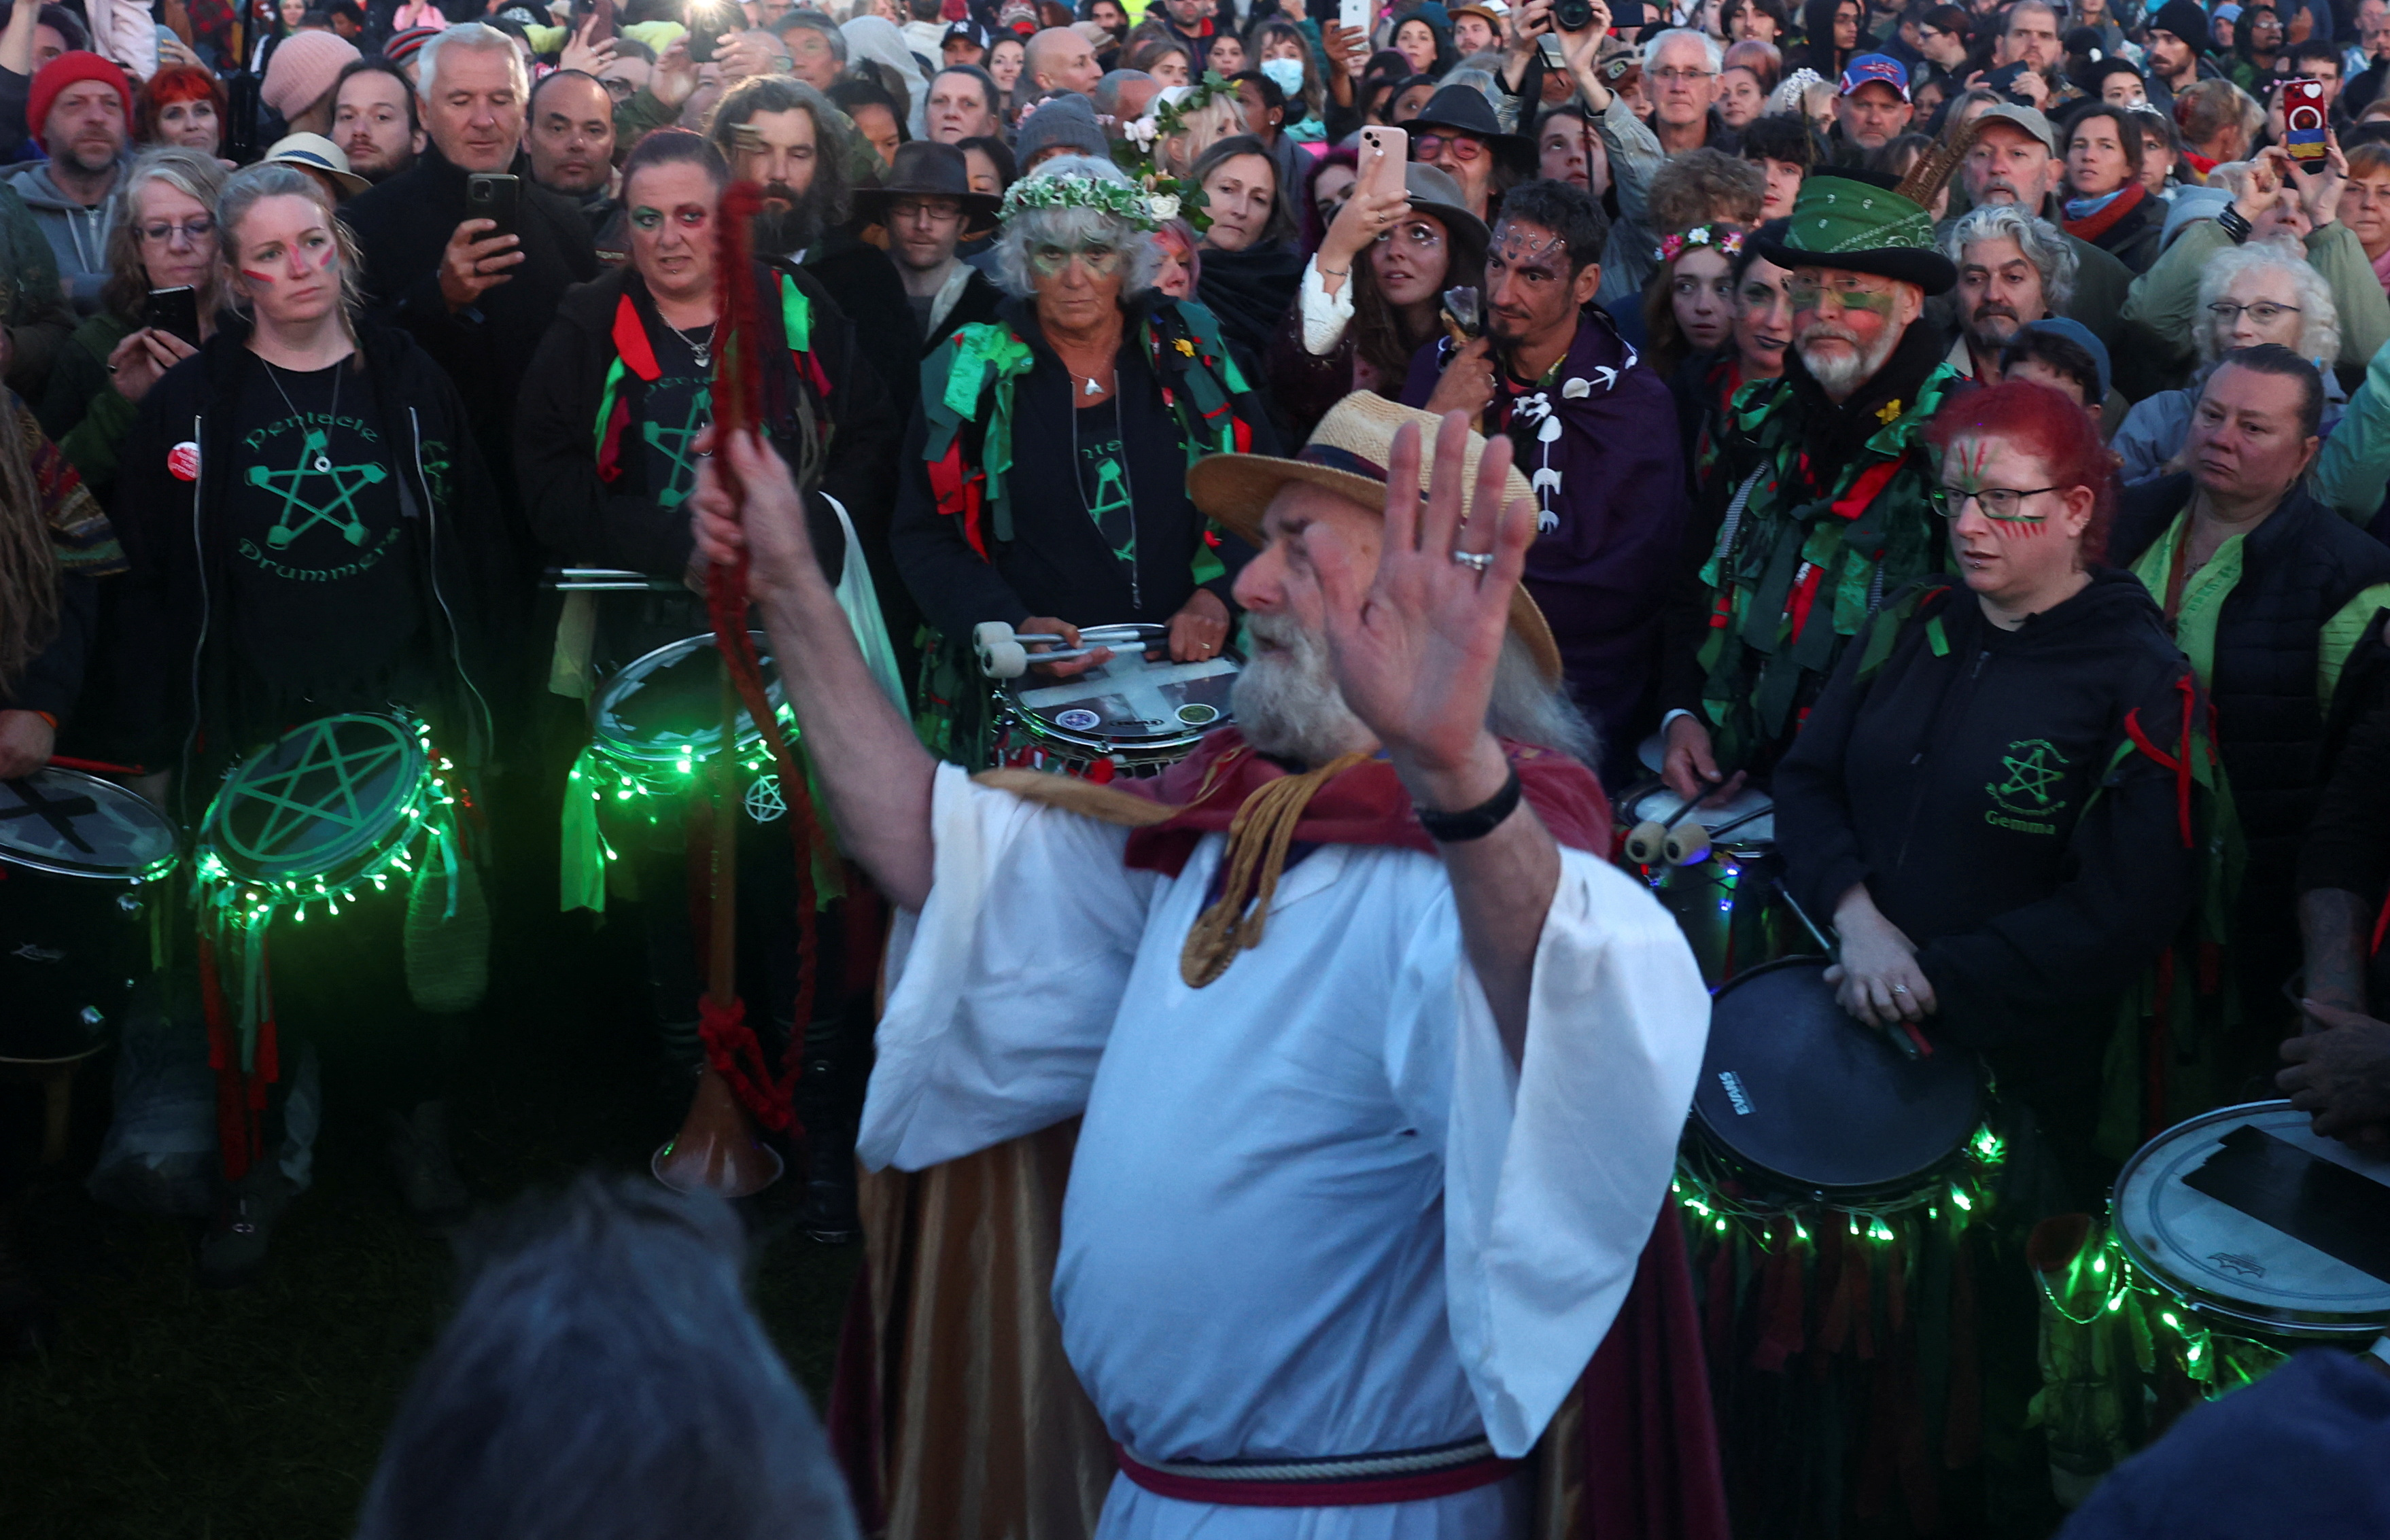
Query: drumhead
[[318, 799], [2246, 1214], [1659, 804], [1127, 702], [1805, 1098], [69, 824], [666, 707]]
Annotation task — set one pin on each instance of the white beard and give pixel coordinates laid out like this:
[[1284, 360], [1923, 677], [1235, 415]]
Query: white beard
[[1286, 701], [1842, 375]]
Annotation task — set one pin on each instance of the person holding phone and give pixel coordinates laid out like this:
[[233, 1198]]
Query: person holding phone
[[164, 268]]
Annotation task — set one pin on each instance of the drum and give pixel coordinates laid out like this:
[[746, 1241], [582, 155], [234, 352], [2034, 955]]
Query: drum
[[1729, 902], [1799, 1105], [658, 719], [1134, 713], [80, 861], [324, 808], [2259, 1227]]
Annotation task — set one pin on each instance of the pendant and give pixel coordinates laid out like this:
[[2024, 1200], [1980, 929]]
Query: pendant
[[704, 357], [1091, 389]]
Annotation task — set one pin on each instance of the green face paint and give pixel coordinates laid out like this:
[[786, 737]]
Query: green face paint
[[1805, 296]]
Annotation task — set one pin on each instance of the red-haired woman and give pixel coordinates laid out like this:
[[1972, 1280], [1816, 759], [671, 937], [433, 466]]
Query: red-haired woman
[[182, 106], [1970, 803]]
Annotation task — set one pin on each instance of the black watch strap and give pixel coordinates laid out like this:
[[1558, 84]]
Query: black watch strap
[[1472, 823]]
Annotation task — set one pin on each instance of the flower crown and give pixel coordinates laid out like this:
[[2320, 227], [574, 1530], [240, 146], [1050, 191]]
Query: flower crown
[[1724, 239], [1115, 199]]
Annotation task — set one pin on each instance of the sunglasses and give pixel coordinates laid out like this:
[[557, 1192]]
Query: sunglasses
[[1430, 145]]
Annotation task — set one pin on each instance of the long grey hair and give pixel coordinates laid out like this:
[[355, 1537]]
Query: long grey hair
[[1031, 229]]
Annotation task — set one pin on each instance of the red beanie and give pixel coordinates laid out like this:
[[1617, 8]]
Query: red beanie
[[65, 70]]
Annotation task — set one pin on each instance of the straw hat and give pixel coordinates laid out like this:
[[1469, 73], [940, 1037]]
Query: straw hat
[[1348, 455]]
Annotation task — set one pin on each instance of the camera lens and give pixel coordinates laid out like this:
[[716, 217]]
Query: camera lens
[[1572, 15]]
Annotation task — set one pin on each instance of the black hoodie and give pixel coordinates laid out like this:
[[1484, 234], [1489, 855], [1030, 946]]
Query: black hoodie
[[1958, 781], [179, 678]]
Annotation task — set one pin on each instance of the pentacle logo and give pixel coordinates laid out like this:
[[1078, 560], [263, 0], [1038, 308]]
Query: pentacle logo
[[2031, 773], [765, 803]]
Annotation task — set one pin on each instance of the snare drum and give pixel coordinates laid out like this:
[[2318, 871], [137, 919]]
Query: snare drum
[[2259, 1227], [1133, 715], [1729, 903], [80, 863], [658, 719], [1799, 1105]]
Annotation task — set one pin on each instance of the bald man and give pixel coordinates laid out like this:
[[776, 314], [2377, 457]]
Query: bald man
[[1059, 59]]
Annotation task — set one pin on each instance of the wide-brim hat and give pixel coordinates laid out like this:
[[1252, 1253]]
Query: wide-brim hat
[[1850, 220], [1431, 190], [1348, 455], [1464, 107], [923, 168], [316, 153]]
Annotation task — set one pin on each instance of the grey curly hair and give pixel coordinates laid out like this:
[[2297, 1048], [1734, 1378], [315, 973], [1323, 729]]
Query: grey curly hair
[[2319, 317], [1029, 229], [2037, 239]]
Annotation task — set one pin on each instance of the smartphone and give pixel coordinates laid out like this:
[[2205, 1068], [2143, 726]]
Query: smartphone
[[1353, 16], [706, 24], [2004, 79], [2304, 122], [1384, 152], [493, 195], [603, 10], [175, 312]]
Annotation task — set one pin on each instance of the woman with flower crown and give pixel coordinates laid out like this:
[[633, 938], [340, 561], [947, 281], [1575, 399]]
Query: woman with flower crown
[[1043, 480]]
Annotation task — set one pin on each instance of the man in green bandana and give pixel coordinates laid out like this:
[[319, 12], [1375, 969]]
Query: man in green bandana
[[1819, 510]]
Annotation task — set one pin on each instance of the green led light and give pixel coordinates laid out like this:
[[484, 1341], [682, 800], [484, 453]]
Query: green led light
[[2100, 1263], [2116, 1301], [1721, 1225], [1966, 1205]]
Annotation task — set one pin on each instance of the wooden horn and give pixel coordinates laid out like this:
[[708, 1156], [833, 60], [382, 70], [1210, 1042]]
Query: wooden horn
[[716, 1149]]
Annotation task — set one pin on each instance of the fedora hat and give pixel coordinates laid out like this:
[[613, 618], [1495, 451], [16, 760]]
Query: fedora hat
[[1348, 455], [313, 152], [1465, 109], [1855, 221], [1431, 190], [925, 170]]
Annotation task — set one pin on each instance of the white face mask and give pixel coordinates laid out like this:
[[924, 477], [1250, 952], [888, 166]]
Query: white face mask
[[1287, 74]]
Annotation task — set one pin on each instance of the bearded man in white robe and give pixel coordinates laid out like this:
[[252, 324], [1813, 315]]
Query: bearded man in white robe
[[1382, 1080]]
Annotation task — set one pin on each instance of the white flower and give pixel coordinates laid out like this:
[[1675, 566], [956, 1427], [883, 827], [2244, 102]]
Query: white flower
[[1142, 132], [1162, 205]]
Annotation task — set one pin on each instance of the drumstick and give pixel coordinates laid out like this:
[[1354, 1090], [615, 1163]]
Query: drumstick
[[96, 767], [1912, 1044]]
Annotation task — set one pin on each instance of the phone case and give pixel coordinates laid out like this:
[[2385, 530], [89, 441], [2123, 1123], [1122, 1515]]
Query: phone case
[[2304, 122]]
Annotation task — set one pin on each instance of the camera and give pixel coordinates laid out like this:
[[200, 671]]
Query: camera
[[1572, 15]]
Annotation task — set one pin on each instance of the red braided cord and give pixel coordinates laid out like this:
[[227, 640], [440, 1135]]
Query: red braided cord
[[730, 1042]]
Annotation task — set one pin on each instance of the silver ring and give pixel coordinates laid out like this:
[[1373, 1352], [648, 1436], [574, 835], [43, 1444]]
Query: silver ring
[[1477, 562], [1900, 989]]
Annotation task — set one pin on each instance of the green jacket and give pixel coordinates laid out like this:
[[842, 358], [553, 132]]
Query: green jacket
[[2166, 298], [32, 305], [81, 411]]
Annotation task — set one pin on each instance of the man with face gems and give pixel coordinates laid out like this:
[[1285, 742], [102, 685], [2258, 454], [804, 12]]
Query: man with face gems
[[1596, 435], [2013, 159], [1830, 467], [477, 299]]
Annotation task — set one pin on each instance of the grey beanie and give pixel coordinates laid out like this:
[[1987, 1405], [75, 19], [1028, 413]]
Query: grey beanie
[[1064, 122]]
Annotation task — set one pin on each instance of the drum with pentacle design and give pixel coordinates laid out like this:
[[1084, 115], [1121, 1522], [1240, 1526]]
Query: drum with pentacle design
[[656, 727], [338, 806], [83, 866], [1134, 714]]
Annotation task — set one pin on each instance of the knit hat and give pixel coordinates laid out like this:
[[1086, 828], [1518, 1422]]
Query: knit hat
[[65, 70], [2185, 20], [305, 67], [404, 46], [1855, 221], [1068, 123]]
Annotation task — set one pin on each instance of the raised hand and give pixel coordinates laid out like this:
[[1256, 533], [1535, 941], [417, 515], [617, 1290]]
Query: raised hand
[[755, 510], [1414, 647]]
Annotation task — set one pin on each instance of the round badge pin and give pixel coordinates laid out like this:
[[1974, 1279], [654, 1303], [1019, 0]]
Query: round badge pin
[[183, 461], [1197, 715], [1078, 719]]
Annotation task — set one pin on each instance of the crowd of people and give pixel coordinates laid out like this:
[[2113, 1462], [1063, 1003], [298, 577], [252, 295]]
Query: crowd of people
[[1968, 425]]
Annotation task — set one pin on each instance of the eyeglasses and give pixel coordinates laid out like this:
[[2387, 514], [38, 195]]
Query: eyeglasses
[[1430, 145], [1805, 293], [1101, 261], [1999, 502], [1424, 238], [1680, 77], [930, 211], [161, 233], [2265, 311]]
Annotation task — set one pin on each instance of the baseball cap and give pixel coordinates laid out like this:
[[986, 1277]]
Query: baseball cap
[[1880, 67], [2026, 118]]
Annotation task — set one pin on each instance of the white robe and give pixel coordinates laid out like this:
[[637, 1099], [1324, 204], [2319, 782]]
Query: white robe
[[1314, 1209]]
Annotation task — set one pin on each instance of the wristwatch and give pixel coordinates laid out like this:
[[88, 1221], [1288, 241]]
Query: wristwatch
[[2234, 225], [1472, 823]]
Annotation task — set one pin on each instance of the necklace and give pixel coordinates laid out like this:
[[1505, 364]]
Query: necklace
[[1093, 387], [704, 351], [323, 461]]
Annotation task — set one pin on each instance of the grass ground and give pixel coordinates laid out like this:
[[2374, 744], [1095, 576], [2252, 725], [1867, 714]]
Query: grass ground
[[161, 1410]]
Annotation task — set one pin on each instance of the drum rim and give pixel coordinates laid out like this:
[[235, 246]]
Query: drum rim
[[336, 870], [1737, 845], [2323, 1326], [162, 866], [1858, 1197], [632, 756], [1172, 746]]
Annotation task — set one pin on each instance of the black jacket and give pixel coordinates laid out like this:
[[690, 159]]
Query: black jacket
[[404, 225], [174, 686], [1974, 787], [580, 518], [2298, 568], [1057, 563]]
